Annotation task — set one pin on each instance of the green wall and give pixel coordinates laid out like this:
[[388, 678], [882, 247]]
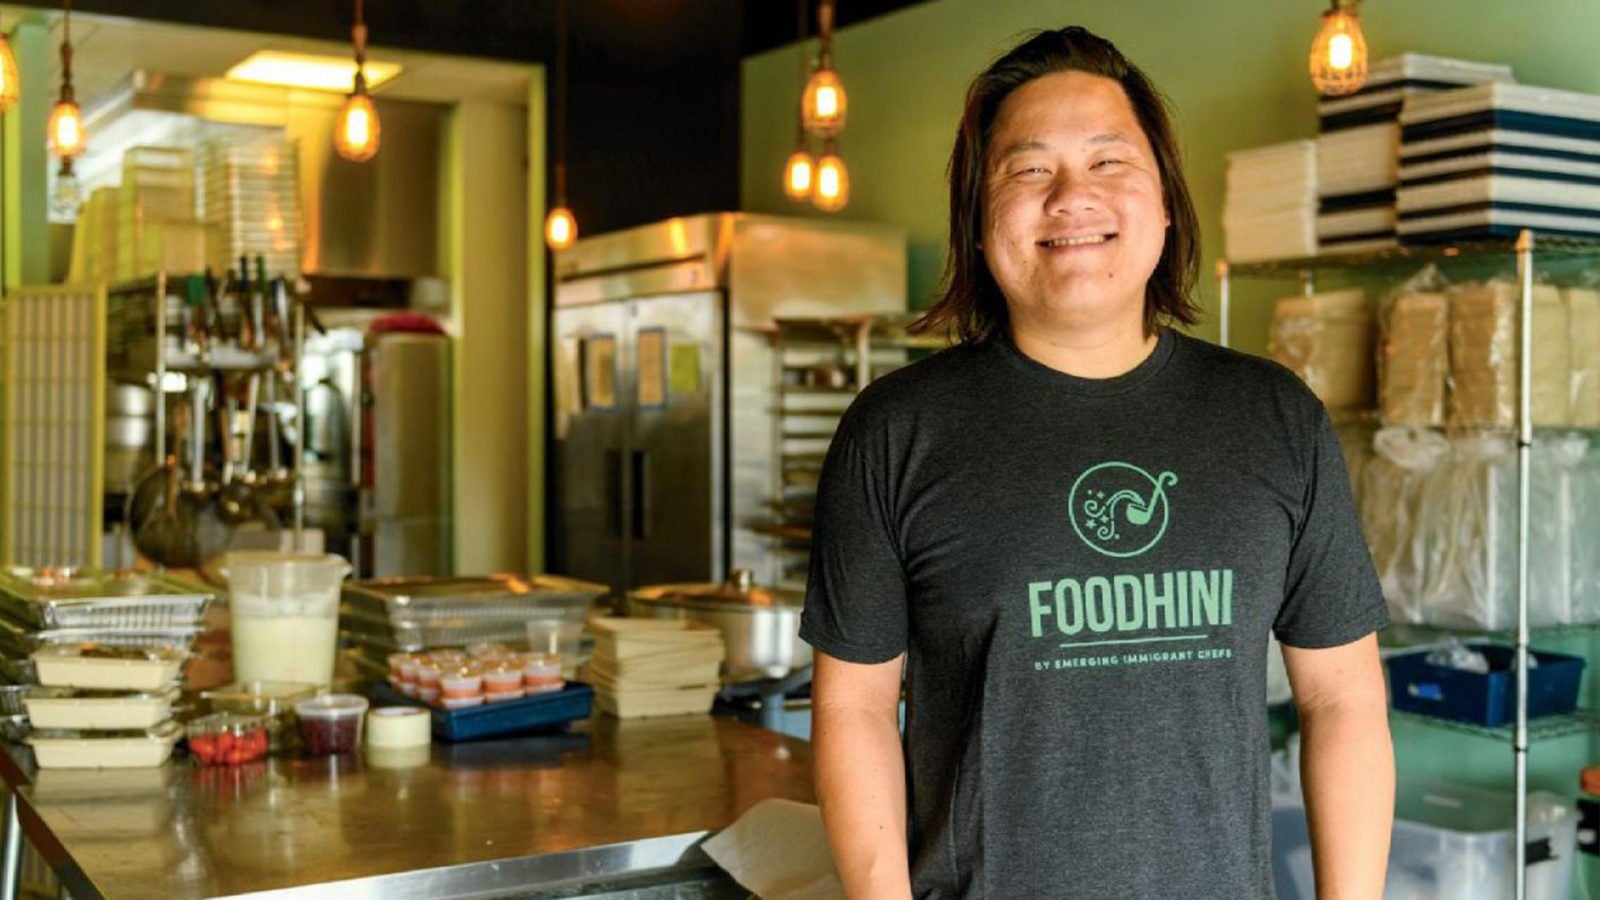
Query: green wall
[[1235, 71]]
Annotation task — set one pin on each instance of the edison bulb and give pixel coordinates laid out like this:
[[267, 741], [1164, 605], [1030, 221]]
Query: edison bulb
[[67, 195], [833, 184], [1339, 53], [560, 228], [65, 130], [798, 174], [824, 105], [10, 81], [356, 135]]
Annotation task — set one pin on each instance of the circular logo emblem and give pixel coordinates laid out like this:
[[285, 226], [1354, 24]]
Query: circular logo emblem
[[1120, 509]]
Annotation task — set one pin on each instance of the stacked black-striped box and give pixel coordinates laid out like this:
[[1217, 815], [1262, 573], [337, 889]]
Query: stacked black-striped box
[[1491, 160], [1359, 145]]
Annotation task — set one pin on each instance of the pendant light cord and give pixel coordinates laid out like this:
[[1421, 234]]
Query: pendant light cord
[[66, 53], [805, 70], [562, 26]]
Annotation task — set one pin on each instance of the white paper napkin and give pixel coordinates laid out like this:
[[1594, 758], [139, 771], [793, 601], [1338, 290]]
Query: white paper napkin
[[779, 851]]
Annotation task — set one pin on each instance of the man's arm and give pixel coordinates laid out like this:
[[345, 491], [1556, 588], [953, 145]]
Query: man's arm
[[860, 774], [1346, 765]]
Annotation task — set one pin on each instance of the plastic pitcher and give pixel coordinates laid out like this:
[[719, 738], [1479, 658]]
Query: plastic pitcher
[[285, 614]]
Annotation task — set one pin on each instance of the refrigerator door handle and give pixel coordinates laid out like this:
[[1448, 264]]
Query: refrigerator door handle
[[641, 494], [614, 493]]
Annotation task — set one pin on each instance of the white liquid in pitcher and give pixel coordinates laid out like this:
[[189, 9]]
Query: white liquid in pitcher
[[284, 648]]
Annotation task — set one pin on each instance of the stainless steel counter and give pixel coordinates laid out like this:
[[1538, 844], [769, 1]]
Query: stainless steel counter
[[559, 815]]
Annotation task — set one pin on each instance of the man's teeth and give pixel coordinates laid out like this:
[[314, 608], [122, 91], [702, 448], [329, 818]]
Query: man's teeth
[[1078, 241]]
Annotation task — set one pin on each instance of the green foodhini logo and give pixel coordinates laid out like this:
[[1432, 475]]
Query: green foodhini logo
[[1119, 509]]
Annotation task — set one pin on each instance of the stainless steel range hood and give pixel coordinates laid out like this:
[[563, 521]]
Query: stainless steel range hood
[[378, 219]]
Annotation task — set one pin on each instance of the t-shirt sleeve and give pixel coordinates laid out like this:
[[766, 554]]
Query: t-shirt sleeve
[[855, 606], [1331, 590]]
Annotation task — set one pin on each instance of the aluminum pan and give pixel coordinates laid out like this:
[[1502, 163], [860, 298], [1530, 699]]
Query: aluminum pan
[[68, 598]]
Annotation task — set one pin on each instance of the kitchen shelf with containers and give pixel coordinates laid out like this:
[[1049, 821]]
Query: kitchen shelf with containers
[[819, 365], [1420, 377]]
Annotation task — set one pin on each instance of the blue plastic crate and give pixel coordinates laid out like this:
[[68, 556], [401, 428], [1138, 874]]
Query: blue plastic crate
[[541, 712], [1418, 687]]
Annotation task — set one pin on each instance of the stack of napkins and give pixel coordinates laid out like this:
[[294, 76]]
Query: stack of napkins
[[1491, 160], [1392, 81], [1358, 149], [1270, 208], [654, 667], [1357, 170]]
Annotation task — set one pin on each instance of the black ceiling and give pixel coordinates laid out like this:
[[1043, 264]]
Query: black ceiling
[[506, 29], [773, 23]]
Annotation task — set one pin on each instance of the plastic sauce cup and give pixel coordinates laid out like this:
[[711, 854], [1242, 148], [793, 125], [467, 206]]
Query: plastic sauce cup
[[331, 723]]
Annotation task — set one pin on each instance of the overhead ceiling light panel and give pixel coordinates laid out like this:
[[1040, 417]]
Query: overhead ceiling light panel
[[303, 70]]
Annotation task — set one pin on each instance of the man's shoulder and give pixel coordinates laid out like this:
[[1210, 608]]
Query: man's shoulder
[[1243, 375], [941, 384]]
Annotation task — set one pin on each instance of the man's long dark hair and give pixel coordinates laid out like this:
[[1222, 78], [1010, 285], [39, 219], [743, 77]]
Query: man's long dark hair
[[972, 307]]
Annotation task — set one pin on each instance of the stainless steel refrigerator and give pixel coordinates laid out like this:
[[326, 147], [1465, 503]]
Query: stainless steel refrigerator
[[664, 444]]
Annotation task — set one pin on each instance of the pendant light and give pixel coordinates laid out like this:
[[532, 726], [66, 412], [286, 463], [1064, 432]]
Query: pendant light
[[824, 105], [10, 81], [357, 132], [560, 226], [800, 170], [65, 127], [1339, 52], [832, 190]]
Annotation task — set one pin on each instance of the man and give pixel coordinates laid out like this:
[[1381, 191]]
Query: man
[[1074, 532]]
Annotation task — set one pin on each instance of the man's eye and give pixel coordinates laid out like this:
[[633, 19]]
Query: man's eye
[[1032, 170], [1106, 162]]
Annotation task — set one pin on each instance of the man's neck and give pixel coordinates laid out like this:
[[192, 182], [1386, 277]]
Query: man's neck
[[1101, 350]]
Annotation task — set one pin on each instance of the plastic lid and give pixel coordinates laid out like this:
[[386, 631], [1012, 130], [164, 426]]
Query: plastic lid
[[331, 706]]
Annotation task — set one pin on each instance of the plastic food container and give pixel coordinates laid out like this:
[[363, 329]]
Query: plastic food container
[[502, 678], [82, 710], [15, 728], [427, 675], [98, 666], [461, 683], [285, 609], [331, 723], [11, 699], [273, 699], [542, 673], [228, 739], [562, 637], [113, 750], [460, 702]]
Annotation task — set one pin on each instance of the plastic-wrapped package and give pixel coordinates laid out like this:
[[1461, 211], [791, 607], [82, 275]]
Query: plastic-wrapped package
[[1467, 531], [1585, 499], [1326, 339], [1414, 360], [1483, 355], [1390, 497], [1355, 442], [1583, 337]]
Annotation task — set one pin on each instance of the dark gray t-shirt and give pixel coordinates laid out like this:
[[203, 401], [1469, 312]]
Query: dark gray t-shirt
[[1083, 574]]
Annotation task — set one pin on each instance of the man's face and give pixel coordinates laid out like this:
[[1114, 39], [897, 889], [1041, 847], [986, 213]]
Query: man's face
[[1073, 218]]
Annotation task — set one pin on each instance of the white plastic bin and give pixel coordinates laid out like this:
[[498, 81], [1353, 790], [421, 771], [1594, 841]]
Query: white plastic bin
[[1453, 842]]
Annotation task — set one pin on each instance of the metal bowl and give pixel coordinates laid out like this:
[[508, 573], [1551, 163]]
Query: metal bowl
[[760, 626]]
